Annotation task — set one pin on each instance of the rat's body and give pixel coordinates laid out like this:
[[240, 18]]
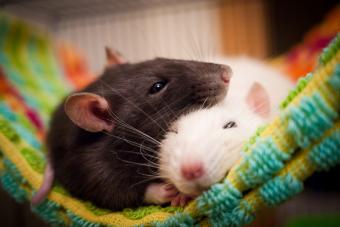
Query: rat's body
[[204, 144], [103, 140]]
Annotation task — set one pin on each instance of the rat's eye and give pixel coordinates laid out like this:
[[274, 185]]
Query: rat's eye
[[230, 124], [173, 131], [174, 128], [158, 86]]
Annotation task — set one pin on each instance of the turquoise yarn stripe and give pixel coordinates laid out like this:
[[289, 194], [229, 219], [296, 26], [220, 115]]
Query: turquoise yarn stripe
[[334, 81], [10, 185], [19, 127], [218, 202], [221, 197], [27, 136], [310, 120], [179, 219], [49, 212], [280, 189], [327, 154], [265, 160], [241, 215], [11, 181], [273, 192], [12, 170]]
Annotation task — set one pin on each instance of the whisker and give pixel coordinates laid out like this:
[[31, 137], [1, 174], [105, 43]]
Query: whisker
[[134, 105], [225, 155], [140, 182], [133, 129], [134, 134], [131, 142], [163, 109], [135, 163], [132, 152], [140, 151]]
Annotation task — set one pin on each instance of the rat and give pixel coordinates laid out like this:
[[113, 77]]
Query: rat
[[103, 141], [203, 145]]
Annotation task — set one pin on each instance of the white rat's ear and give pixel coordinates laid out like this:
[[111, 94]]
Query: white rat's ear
[[258, 100], [89, 111]]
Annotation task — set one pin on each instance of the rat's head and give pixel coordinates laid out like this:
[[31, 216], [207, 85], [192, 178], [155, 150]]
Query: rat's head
[[146, 96], [204, 144]]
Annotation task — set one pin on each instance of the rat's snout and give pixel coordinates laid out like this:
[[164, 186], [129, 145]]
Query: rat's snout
[[192, 171], [226, 74]]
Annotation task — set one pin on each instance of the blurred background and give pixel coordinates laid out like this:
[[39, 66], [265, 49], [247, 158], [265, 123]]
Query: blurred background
[[187, 29], [142, 29]]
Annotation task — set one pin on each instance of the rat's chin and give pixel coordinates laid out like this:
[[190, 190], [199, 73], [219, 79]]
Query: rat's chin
[[193, 192]]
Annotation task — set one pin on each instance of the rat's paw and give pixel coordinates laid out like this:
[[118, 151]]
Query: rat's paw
[[160, 193], [180, 200]]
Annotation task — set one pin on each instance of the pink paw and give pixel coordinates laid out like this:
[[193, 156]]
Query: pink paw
[[180, 200], [160, 193]]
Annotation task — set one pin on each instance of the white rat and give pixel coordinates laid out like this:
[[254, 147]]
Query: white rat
[[205, 144]]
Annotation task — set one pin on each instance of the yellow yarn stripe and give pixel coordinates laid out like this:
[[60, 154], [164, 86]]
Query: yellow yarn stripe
[[1, 165]]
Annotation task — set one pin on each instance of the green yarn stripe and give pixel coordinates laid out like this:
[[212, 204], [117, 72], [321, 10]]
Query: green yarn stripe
[[301, 84], [329, 52]]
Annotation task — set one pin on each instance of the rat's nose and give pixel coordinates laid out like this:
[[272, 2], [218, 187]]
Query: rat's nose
[[192, 171], [226, 74]]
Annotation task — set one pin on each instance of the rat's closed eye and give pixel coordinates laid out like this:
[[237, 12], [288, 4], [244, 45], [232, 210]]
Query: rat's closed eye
[[157, 87], [230, 124], [173, 128]]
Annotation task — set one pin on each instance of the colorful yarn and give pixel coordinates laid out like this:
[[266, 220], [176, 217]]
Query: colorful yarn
[[221, 196], [302, 139], [280, 189], [289, 181], [310, 120], [308, 116], [179, 219], [327, 154], [49, 211], [264, 160]]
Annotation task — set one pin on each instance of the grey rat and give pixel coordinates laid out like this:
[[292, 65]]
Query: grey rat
[[103, 141]]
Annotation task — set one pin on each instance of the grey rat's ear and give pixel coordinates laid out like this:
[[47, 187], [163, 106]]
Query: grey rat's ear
[[258, 100], [113, 57], [89, 111]]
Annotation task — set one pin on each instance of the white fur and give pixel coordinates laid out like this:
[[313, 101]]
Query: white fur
[[246, 71], [200, 135]]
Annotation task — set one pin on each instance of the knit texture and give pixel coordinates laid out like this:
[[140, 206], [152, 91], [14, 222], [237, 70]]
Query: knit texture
[[36, 73]]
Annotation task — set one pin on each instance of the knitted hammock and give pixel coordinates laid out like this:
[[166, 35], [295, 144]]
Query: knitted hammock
[[302, 139]]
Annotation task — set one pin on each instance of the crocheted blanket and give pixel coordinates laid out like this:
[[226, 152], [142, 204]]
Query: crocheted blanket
[[36, 73]]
